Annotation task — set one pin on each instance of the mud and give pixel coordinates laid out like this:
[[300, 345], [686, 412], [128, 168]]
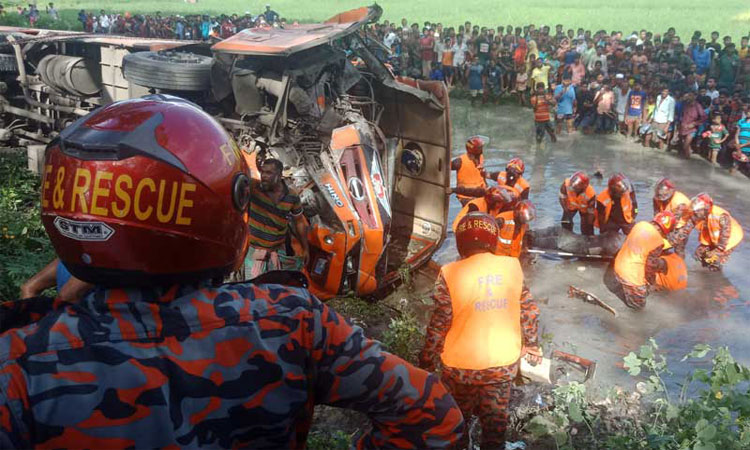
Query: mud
[[714, 309]]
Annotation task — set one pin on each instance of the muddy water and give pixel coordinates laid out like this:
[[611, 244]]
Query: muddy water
[[714, 309]]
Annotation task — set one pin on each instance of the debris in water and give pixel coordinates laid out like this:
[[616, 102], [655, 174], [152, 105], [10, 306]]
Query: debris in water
[[581, 268], [574, 292], [586, 365], [518, 445]]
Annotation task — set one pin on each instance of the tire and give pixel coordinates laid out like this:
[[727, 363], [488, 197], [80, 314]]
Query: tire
[[168, 70], [8, 63]]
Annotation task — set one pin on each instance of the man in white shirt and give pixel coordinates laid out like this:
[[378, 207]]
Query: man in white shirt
[[662, 118], [621, 90], [711, 90], [459, 52], [600, 56], [103, 22], [390, 38]]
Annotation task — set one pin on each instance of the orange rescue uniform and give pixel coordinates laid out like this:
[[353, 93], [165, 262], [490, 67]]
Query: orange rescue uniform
[[480, 204], [630, 262], [677, 200], [676, 277], [520, 186], [469, 175], [710, 229], [579, 202], [510, 240], [605, 199], [485, 292]]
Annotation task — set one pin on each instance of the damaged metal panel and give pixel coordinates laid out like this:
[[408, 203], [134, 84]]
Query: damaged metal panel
[[248, 98]]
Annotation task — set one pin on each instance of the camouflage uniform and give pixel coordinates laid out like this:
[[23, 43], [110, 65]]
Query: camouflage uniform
[[714, 257], [196, 366], [484, 393], [633, 296]]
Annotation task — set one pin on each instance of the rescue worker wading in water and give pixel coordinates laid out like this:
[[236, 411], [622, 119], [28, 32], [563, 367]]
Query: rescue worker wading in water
[[577, 196], [496, 201], [668, 198], [634, 273], [484, 321], [513, 227], [152, 211], [512, 177], [719, 232], [616, 206], [470, 173]]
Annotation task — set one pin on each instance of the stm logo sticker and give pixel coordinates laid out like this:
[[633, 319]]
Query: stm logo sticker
[[334, 196], [84, 231]]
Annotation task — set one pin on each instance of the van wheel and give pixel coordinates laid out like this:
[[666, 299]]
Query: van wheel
[[170, 70]]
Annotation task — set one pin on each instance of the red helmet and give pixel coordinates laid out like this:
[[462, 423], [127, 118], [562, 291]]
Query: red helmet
[[701, 204], [475, 145], [476, 232], [145, 192], [664, 190], [498, 197], [618, 185], [525, 212], [579, 182], [516, 165], [666, 221]]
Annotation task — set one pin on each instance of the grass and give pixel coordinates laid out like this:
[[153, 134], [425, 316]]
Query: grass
[[729, 17]]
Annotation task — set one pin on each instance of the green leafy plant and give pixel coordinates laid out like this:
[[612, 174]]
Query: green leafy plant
[[404, 273], [359, 311], [404, 336], [328, 440], [570, 409], [710, 411], [24, 247]]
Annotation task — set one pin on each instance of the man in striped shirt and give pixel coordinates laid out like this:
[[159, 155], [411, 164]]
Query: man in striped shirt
[[542, 102], [274, 210]]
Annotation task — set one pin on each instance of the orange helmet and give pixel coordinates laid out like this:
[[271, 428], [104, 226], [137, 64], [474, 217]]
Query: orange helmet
[[516, 165], [476, 232], [666, 221], [497, 197], [664, 190], [133, 196], [701, 205], [618, 185], [525, 212], [475, 145], [579, 181]]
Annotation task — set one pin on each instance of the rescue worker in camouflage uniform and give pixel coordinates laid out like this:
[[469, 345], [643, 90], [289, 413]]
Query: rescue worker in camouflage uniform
[[643, 266], [668, 198], [150, 211], [719, 232], [484, 321]]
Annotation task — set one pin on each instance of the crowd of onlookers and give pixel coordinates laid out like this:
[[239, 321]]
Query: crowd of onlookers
[[189, 27], [652, 87]]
